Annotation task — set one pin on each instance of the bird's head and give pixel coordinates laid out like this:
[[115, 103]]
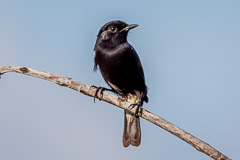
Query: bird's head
[[113, 33]]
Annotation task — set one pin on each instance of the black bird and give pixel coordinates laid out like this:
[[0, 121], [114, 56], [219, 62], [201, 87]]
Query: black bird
[[121, 68]]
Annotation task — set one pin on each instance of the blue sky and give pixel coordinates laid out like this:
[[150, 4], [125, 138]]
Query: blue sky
[[190, 52]]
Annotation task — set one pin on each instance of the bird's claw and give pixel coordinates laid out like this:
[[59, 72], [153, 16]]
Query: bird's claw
[[99, 89], [138, 111]]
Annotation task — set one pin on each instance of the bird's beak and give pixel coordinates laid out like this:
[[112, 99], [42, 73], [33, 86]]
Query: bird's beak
[[128, 27]]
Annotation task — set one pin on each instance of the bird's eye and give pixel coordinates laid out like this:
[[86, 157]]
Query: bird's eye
[[113, 29]]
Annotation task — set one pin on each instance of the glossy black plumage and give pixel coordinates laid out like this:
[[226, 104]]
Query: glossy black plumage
[[121, 68]]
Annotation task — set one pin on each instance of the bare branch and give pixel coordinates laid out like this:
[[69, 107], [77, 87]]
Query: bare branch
[[121, 103]]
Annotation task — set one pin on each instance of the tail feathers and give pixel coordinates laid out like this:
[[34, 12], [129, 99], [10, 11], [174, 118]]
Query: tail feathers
[[132, 131]]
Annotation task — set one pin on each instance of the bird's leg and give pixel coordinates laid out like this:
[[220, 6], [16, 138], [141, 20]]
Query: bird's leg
[[138, 111], [99, 89], [135, 103]]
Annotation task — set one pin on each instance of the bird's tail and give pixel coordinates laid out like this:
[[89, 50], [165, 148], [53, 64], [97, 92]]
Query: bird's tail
[[132, 131]]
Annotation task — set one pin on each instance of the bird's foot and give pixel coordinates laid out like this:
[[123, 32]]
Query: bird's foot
[[138, 111], [99, 89]]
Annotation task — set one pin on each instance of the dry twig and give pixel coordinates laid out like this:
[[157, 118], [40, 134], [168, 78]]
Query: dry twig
[[119, 102]]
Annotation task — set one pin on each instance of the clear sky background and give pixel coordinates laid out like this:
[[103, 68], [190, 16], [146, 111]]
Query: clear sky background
[[190, 51]]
